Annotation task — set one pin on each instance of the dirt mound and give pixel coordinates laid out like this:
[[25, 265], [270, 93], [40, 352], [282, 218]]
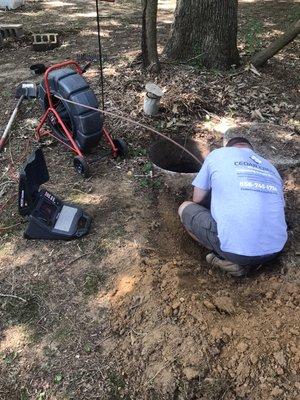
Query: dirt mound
[[186, 332]]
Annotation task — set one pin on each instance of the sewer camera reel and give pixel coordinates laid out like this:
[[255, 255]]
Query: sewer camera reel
[[76, 126]]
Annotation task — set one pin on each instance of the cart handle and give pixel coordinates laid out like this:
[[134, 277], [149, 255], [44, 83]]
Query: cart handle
[[54, 67]]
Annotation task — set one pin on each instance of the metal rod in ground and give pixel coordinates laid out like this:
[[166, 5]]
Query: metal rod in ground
[[100, 53], [10, 122]]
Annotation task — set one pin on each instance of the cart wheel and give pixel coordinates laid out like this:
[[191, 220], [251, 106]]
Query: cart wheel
[[81, 166], [121, 146]]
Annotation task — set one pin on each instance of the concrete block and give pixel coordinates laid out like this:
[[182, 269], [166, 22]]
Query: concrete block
[[11, 31], [45, 41]]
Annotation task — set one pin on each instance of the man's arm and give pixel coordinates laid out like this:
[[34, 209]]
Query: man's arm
[[202, 187], [202, 183], [199, 195]]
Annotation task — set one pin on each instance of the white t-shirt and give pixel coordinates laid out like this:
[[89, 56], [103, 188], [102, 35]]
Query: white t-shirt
[[247, 201]]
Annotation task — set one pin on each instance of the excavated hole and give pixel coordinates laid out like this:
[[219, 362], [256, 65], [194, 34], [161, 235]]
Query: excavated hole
[[177, 169], [168, 157]]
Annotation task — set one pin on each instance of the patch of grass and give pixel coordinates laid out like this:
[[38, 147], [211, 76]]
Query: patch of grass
[[137, 152], [87, 348], [46, 367], [116, 384], [92, 281], [41, 396], [251, 34], [24, 395], [15, 311], [6, 93], [106, 246], [116, 231], [18, 312], [99, 252], [58, 378], [294, 14], [150, 183], [9, 358], [216, 72], [63, 332], [147, 167], [49, 352]]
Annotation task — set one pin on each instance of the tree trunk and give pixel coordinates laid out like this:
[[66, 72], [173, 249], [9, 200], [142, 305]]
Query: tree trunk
[[206, 30], [261, 57], [149, 35]]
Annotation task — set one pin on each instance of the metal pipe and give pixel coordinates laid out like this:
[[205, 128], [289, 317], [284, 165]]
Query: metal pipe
[[10, 122], [100, 54]]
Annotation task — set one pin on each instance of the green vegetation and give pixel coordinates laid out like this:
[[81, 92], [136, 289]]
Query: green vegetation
[[41, 396], [24, 394], [19, 312], [63, 332], [9, 358], [294, 14], [92, 281], [148, 181], [116, 384], [137, 152], [58, 378], [251, 34]]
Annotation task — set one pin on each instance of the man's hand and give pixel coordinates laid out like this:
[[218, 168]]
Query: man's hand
[[199, 195]]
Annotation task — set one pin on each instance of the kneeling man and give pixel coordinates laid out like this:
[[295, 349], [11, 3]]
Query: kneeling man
[[237, 209]]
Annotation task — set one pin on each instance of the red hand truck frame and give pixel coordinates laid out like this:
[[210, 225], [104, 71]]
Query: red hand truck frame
[[70, 142]]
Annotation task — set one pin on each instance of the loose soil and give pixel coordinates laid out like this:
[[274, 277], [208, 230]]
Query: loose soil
[[133, 311]]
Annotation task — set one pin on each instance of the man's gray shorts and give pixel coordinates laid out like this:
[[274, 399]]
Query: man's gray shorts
[[199, 221]]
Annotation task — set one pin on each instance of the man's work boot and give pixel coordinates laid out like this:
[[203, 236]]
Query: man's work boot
[[227, 266]]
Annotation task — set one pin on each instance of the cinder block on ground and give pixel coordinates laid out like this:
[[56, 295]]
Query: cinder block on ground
[[45, 41], [11, 31]]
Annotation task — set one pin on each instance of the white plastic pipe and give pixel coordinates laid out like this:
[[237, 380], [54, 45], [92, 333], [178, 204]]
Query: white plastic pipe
[[152, 99]]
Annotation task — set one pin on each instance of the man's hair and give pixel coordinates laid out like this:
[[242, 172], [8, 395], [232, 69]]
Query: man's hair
[[238, 139]]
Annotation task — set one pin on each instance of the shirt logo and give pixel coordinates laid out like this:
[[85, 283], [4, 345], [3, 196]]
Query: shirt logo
[[255, 159]]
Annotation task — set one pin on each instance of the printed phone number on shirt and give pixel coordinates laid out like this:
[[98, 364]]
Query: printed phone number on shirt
[[257, 185]]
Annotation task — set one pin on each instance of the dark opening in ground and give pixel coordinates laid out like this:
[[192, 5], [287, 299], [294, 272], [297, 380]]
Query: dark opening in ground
[[169, 157]]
